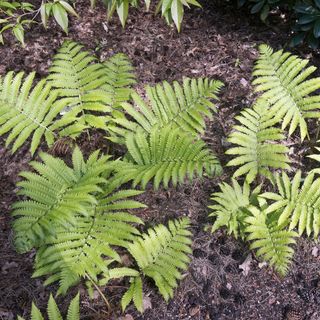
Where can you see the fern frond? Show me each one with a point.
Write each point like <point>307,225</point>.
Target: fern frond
<point>27,112</point>
<point>55,194</point>
<point>282,78</point>
<point>298,202</point>
<point>135,294</point>
<point>232,207</point>
<point>81,250</point>
<point>53,310</point>
<point>257,150</point>
<point>167,154</point>
<point>183,106</point>
<point>80,79</point>
<point>120,78</point>
<point>272,241</point>
<point>161,253</point>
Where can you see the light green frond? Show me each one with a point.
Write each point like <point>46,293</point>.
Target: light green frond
<point>79,79</point>
<point>167,154</point>
<point>56,194</point>
<point>283,79</point>
<point>184,106</point>
<point>120,78</point>
<point>26,112</point>
<point>257,150</point>
<point>53,310</point>
<point>272,241</point>
<point>231,207</point>
<point>298,202</point>
<point>161,253</point>
<point>81,250</point>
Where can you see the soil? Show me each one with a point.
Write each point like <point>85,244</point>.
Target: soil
<point>219,42</point>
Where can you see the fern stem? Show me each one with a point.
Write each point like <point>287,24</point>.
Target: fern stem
<point>100,292</point>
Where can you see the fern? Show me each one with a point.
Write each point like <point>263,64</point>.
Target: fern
<point>160,254</point>
<point>282,79</point>
<point>272,241</point>
<point>26,112</point>
<point>89,86</point>
<point>298,202</point>
<point>257,150</point>
<point>81,250</point>
<point>183,106</point>
<point>134,293</point>
<point>231,207</point>
<point>56,194</point>
<point>165,155</point>
<point>53,310</point>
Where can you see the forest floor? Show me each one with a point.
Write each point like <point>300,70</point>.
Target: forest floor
<point>224,281</point>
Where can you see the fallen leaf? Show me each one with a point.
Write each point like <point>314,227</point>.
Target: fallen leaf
<point>146,303</point>
<point>245,266</point>
<point>315,252</point>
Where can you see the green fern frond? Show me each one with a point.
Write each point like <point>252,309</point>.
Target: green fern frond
<point>183,106</point>
<point>27,112</point>
<point>80,80</point>
<point>55,194</point>
<point>298,202</point>
<point>54,312</point>
<point>282,78</point>
<point>272,241</point>
<point>161,253</point>
<point>135,294</point>
<point>232,207</point>
<point>167,154</point>
<point>120,78</point>
<point>257,151</point>
<point>81,250</point>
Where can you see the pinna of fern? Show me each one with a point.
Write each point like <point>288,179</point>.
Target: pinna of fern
<point>54,312</point>
<point>283,80</point>
<point>56,194</point>
<point>257,149</point>
<point>184,106</point>
<point>167,154</point>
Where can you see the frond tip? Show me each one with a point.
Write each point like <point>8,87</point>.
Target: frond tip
<point>272,241</point>
<point>282,78</point>
<point>54,312</point>
<point>161,253</point>
<point>257,150</point>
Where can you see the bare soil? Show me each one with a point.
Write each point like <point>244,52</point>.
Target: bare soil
<point>218,42</point>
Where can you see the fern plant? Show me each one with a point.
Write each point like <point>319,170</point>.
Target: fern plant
<point>56,194</point>
<point>282,78</point>
<point>167,154</point>
<point>246,213</point>
<point>257,150</point>
<point>54,312</point>
<point>298,202</point>
<point>89,86</point>
<point>183,106</point>
<point>160,253</point>
<point>27,112</point>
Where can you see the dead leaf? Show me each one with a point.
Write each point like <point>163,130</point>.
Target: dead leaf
<point>194,311</point>
<point>315,252</point>
<point>146,303</point>
<point>127,317</point>
<point>245,266</point>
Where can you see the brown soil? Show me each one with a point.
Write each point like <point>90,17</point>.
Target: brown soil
<point>217,42</point>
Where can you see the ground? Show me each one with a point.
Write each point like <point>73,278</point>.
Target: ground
<point>218,42</point>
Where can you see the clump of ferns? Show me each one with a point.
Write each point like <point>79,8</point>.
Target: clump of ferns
<point>268,220</point>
